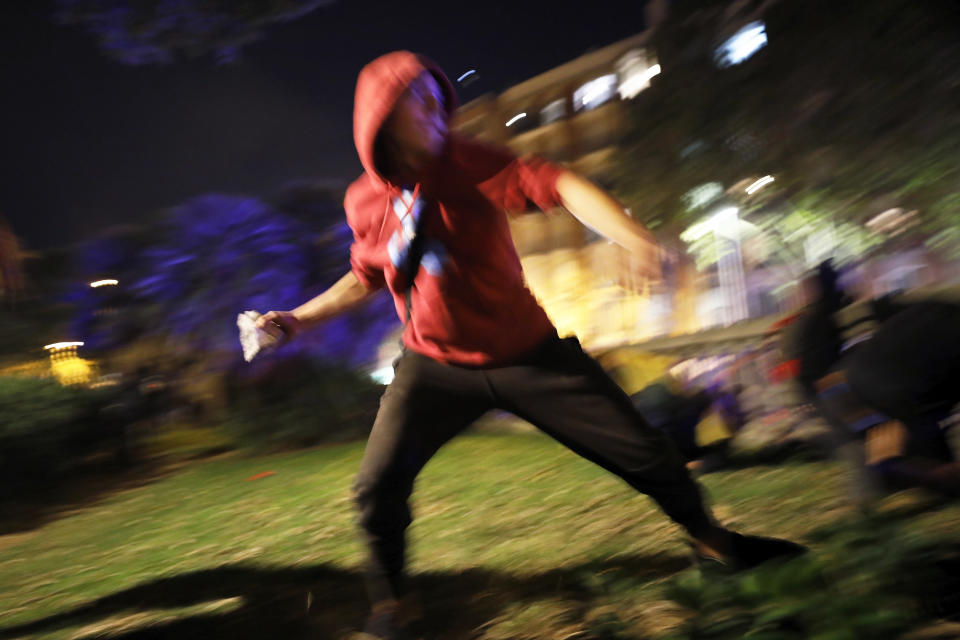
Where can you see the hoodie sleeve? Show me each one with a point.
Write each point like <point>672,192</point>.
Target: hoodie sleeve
<point>517,184</point>
<point>363,262</point>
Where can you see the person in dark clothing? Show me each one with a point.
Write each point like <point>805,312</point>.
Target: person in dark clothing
<point>817,345</point>
<point>818,338</point>
<point>910,371</point>
<point>429,224</point>
<point>678,414</point>
<point>896,391</point>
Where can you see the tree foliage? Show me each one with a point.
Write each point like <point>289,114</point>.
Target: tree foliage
<point>43,427</point>
<point>11,259</point>
<point>188,277</point>
<point>850,105</point>
<point>220,255</point>
<point>139,32</point>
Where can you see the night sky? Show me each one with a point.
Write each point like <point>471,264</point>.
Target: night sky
<point>89,142</point>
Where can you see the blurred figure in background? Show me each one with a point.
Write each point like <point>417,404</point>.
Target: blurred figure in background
<point>815,341</point>
<point>909,372</point>
<point>818,339</point>
<point>887,398</point>
<point>429,225</point>
<point>701,423</point>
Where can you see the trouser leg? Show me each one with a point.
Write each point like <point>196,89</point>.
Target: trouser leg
<point>427,404</point>
<point>566,394</point>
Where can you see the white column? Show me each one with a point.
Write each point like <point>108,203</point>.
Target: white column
<point>726,232</point>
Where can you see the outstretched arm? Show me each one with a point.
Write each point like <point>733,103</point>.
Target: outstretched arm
<point>348,292</point>
<point>600,211</point>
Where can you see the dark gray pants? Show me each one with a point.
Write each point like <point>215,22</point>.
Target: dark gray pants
<point>558,388</point>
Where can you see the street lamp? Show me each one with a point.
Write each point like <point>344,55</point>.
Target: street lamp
<point>56,346</point>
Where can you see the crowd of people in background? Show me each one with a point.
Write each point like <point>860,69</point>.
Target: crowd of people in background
<point>880,377</point>
<point>888,398</point>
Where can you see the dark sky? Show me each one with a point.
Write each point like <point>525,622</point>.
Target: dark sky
<point>88,142</point>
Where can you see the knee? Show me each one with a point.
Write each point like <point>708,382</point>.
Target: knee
<point>380,503</point>
<point>364,490</point>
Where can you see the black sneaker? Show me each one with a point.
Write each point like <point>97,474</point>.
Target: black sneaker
<point>747,552</point>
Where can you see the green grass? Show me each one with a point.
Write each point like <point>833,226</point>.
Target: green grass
<point>514,537</point>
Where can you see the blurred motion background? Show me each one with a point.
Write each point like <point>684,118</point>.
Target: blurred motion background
<point>171,163</point>
<point>756,139</point>
<point>176,164</point>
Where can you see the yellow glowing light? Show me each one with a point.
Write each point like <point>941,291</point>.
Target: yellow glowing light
<point>759,184</point>
<point>104,283</point>
<point>73,370</point>
<point>62,345</point>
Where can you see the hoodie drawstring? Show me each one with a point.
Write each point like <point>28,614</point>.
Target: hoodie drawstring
<point>392,193</point>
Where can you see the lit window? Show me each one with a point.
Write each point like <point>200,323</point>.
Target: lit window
<point>703,195</point>
<point>595,93</point>
<point>635,72</point>
<point>743,44</point>
<point>554,111</point>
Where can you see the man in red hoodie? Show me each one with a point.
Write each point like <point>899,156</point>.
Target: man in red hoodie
<point>429,222</point>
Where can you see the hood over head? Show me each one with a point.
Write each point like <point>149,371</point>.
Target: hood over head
<point>379,87</point>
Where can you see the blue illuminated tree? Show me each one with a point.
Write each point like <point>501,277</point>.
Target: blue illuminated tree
<point>188,277</point>
<point>160,31</point>
<point>108,317</point>
<point>220,255</point>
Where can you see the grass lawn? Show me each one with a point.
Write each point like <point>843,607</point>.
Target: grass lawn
<point>514,537</point>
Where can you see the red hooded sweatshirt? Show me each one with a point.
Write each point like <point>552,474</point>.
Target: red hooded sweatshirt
<point>469,303</point>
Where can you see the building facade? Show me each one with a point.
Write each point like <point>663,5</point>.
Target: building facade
<point>576,114</point>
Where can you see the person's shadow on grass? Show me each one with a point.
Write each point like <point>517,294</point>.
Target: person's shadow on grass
<point>320,601</point>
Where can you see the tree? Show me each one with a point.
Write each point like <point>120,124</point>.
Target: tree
<point>139,32</point>
<point>11,259</point>
<point>185,279</point>
<point>850,105</point>
<point>218,256</point>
